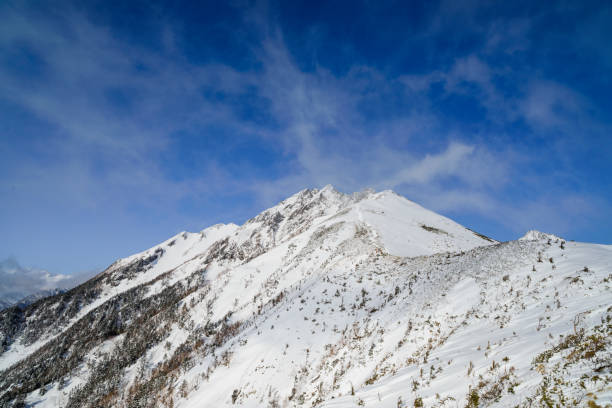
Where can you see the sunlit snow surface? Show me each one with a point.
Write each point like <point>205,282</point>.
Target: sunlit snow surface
<point>384,302</point>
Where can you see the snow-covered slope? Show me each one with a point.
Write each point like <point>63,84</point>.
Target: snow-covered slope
<point>326,299</point>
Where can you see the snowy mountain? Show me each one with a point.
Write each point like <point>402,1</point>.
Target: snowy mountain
<point>28,300</point>
<point>326,300</point>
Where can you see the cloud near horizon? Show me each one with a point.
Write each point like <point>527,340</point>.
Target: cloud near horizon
<point>18,282</point>
<point>115,137</point>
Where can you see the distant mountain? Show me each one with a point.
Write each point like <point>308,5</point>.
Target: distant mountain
<point>21,285</point>
<point>28,300</point>
<point>324,300</point>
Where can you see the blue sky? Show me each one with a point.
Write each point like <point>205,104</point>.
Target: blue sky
<point>123,123</point>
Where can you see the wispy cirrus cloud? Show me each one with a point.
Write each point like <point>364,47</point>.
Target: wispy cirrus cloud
<point>118,128</point>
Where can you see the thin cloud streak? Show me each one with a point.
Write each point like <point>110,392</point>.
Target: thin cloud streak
<point>132,129</point>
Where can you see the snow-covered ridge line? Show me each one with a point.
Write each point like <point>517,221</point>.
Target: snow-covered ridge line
<point>304,211</point>
<point>328,299</point>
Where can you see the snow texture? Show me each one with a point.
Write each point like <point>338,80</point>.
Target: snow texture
<point>336,300</point>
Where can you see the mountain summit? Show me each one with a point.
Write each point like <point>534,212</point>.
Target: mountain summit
<point>328,300</point>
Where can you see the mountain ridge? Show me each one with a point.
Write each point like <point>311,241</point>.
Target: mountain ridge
<point>322,300</point>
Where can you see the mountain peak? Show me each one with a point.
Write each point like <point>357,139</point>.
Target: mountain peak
<point>328,187</point>
<point>534,235</point>
<point>325,299</point>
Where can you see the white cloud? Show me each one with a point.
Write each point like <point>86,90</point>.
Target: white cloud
<point>548,104</point>
<point>431,167</point>
<point>325,124</point>
<point>17,282</point>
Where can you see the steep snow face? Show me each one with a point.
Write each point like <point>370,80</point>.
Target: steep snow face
<point>325,299</point>
<point>181,247</point>
<point>397,225</point>
<point>407,229</point>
